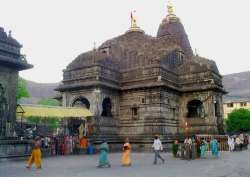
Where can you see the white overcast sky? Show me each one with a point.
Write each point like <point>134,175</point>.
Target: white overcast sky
<point>54,32</point>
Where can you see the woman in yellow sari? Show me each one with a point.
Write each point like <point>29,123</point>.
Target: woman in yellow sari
<point>36,156</point>
<point>126,160</point>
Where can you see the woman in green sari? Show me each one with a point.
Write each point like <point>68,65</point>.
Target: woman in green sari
<point>214,148</point>
<point>103,157</point>
<point>204,147</point>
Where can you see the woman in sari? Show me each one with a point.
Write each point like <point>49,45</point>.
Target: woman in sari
<point>126,160</point>
<point>214,148</point>
<point>198,147</point>
<point>204,147</point>
<point>36,155</point>
<point>103,157</point>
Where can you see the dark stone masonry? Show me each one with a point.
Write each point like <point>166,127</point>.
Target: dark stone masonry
<point>138,85</point>
<point>11,62</point>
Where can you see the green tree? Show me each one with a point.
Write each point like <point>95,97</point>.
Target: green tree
<point>51,122</point>
<point>22,91</point>
<point>49,102</point>
<point>34,119</point>
<point>238,120</point>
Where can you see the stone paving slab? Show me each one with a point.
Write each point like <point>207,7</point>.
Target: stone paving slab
<point>236,164</point>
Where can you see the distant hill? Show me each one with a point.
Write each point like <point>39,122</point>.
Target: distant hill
<point>238,86</point>
<point>38,91</point>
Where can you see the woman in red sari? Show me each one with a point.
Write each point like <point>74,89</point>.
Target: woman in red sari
<point>126,160</point>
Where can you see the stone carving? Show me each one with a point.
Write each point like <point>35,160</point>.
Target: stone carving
<point>3,112</point>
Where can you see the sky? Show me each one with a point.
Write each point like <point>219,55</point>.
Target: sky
<point>54,32</point>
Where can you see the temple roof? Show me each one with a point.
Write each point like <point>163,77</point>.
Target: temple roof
<point>134,59</point>
<point>8,38</point>
<point>10,55</point>
<point>198,64</point>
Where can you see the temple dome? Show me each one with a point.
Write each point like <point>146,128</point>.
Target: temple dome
<point>172,26</point>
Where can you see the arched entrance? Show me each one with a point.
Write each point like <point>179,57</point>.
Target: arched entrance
<point>195,109</point>
<point>81,102</point>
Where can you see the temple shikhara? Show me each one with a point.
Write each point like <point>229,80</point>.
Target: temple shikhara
<point>138,85</point>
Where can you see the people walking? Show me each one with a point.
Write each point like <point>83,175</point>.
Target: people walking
<point>36,155</point>
<point>126,160</point>
<point>103,157</point>
<point>157,145</point>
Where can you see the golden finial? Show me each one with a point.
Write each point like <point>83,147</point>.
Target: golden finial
<point>133,22</point>
<point>170,8</point>
<point>171,16</point>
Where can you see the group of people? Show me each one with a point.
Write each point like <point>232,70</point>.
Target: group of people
<point>64,145</point>
<point>103,157</point>
<point>56,146</point>
<point>197,148</point>
<point>237,142</point>
<point>192,148</point>
<point>126,159</point>
<point>36,155</point>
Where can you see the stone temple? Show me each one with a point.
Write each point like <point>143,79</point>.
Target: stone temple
<point>11,62</point>
<point>138,85</point>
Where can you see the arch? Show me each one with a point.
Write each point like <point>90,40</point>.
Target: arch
<point>81,102</point>
<point>195,109</point>
<point>106,107</point>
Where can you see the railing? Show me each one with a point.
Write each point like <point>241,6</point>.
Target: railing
<point>222,141</point>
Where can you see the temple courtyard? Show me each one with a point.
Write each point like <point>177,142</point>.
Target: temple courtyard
<point>234,164</point>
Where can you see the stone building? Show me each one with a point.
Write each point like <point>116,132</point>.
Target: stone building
<point>138,85</point>
<point>11,62</point>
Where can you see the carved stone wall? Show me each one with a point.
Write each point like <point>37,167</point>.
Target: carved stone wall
<point>157,112</point>
<point>8,80</point>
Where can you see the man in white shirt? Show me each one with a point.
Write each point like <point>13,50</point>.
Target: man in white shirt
<point>157,148</point>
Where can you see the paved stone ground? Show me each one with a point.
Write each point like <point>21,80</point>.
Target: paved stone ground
<point>236,164</point>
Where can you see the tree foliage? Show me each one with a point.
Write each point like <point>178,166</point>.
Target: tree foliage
<point>51,122</point>
<point>238,121</point>
<point>49,102</point>
<point>22,91</point>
